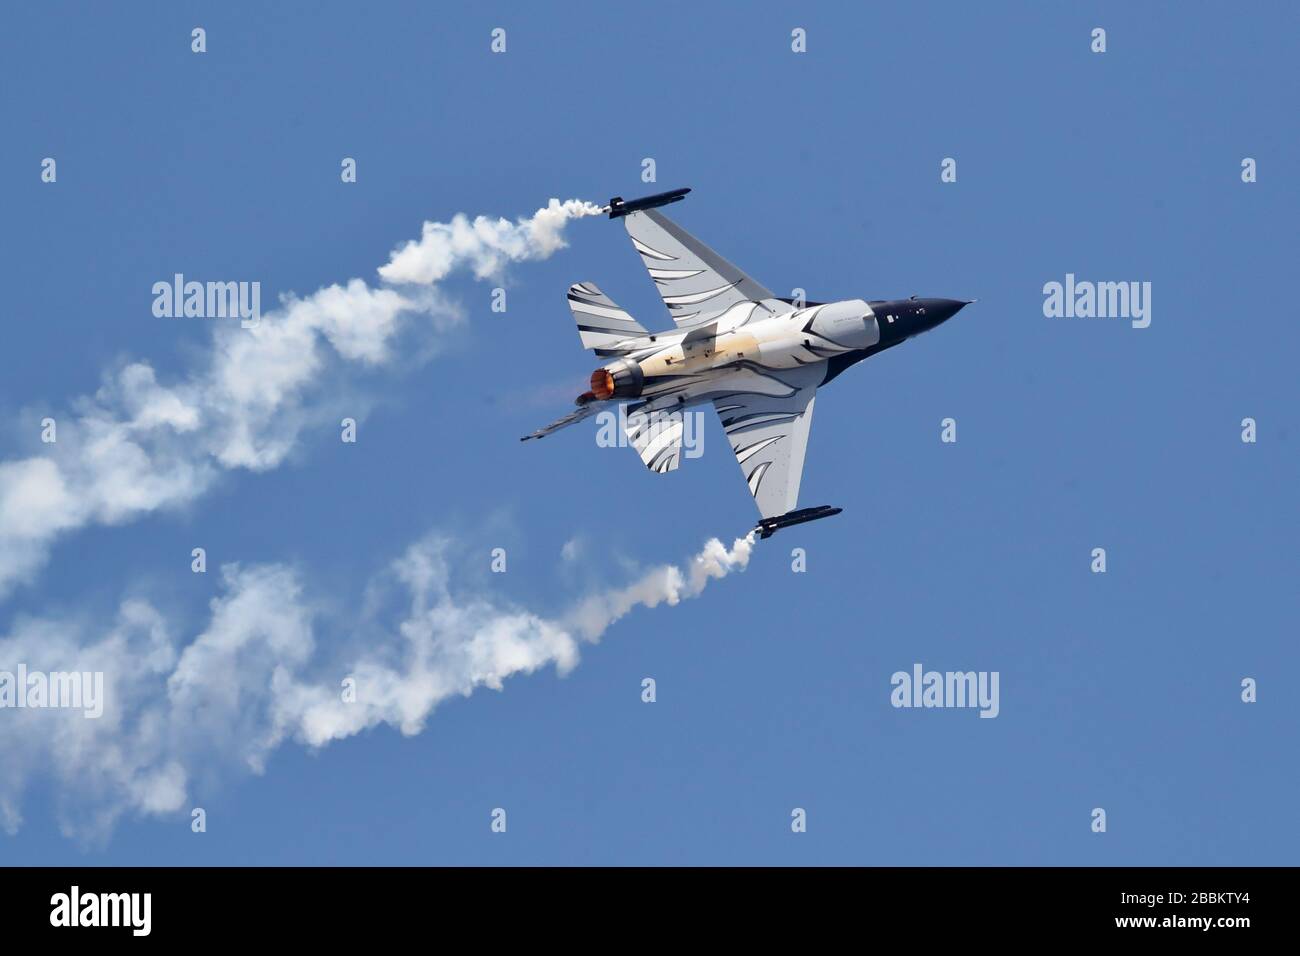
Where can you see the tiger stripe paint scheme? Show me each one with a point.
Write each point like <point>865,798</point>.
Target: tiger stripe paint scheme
<point>757,359</point>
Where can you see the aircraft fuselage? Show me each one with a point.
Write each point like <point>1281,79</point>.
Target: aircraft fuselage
<point>687,367</point>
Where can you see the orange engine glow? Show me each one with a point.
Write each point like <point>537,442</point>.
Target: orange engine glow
<point>602,384</point>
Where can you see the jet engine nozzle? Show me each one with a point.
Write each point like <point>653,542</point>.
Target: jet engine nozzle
<point>621,379</point>
<point>602,384</point>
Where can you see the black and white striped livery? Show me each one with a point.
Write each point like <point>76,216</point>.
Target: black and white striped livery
<point>756,358</point>
<point>602,325</point>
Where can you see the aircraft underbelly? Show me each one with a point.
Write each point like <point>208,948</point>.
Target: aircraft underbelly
<point>690,368</point>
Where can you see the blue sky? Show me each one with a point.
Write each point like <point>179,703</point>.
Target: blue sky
<point>816,170</point>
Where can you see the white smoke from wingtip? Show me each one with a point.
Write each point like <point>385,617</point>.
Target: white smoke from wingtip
<point>176,717</point>
<point>138,444</point>
<point>664,585</point>
<point>484,244</point>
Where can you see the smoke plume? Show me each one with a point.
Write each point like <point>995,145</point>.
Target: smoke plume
<point>273,664</point>
<point>138,445</point>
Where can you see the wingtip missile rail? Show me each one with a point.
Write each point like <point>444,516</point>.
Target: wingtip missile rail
<point>618,206</point>
<point>767,527</point>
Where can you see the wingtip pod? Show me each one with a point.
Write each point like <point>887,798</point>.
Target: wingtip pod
<point>618,206</point>
<point>767,527</point>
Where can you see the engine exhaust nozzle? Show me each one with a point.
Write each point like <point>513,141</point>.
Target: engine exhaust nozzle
<point>621,379</point>
<point>602,384</point>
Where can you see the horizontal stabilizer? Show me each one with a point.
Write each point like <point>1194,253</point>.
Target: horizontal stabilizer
<point>657,438</point>
<point>602,325</point>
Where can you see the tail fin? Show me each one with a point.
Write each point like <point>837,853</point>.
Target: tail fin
<point>602,325</point>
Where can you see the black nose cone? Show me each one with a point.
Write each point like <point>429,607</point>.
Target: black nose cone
<point>933,312</point>
<point>902,318</point>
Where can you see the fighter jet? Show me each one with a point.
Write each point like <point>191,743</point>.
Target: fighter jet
<point>757,358</point>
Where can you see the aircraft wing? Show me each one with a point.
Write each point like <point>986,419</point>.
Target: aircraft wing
<point>696,283</point>
<point>768,431</point>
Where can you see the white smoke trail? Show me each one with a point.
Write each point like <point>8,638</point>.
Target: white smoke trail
<point>138,445</point>
<point>665,585</point>
<point>257,676</point>
<point>484,245</point>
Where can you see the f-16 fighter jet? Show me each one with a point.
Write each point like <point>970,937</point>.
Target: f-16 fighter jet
<point>758,359</point>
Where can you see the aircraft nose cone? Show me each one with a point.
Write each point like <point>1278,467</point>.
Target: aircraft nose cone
<point>903,318</point>
<point>941,310</point>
